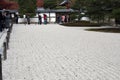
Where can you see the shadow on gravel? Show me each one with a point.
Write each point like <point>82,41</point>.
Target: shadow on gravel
<point>108,30</point>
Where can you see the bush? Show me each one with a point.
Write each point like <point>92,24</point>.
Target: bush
<point>81,23</point>
<point>109,30</point>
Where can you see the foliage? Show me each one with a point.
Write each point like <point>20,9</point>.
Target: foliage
<point>82,24</point>
<point>108,30</point>
<point>79,4</point>
<point>50,4</point>
<point>116,13</point>
<point>73,17</point>
<point>98,9</point>
<point>4,4</point>
<point>27,7</point>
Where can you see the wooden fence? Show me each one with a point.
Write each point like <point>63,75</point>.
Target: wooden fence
<point>4,46</point>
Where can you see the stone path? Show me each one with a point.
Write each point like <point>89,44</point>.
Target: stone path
<point>54,52</point>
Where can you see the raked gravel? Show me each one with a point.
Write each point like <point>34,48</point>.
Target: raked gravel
<point>54,52</point>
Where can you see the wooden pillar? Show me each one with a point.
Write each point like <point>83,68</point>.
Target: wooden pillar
<point>5,50</point>
<point>49,17</point>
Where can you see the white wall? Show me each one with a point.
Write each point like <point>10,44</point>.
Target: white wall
<point>20,20</point>
<point>52,18</point>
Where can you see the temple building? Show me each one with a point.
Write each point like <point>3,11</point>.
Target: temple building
<point>40,3</point>
<point>54,13</point>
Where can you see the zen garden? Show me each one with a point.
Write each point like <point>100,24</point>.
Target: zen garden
<point>59,39</point>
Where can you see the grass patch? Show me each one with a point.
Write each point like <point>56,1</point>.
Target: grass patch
<point>82,24</point>
<point>108,30</point>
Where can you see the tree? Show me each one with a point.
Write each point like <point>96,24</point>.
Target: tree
<point>8,4</point>
<point>27,7</point>
<point>116,9</point>
<point>51,4</point>
<point>80,5</point>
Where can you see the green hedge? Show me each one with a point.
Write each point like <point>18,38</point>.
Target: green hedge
<point>108,30</point>
<point>82,23</point>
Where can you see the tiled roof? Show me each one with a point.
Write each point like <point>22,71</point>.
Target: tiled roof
<point>57,10</point>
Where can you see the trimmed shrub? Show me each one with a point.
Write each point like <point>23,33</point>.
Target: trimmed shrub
<point>82,23</point>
